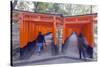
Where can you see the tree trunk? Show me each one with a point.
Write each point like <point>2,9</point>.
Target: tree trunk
<point>90,9</point>
<point>14,4</point>
<point>36,6</point>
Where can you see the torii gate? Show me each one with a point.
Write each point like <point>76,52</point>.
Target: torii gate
<point>33,23</point>
<point>79,24</point>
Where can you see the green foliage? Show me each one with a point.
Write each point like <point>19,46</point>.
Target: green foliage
<point>22,5</point>
<point>56,8</point>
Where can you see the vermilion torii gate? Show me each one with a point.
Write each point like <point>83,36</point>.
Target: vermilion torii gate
<point>79,24</point>
<point>32,23</point>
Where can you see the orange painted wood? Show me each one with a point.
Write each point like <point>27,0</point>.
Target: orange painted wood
<point>33,23</point>
<point>79,24</point>
<point>30,26</point>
